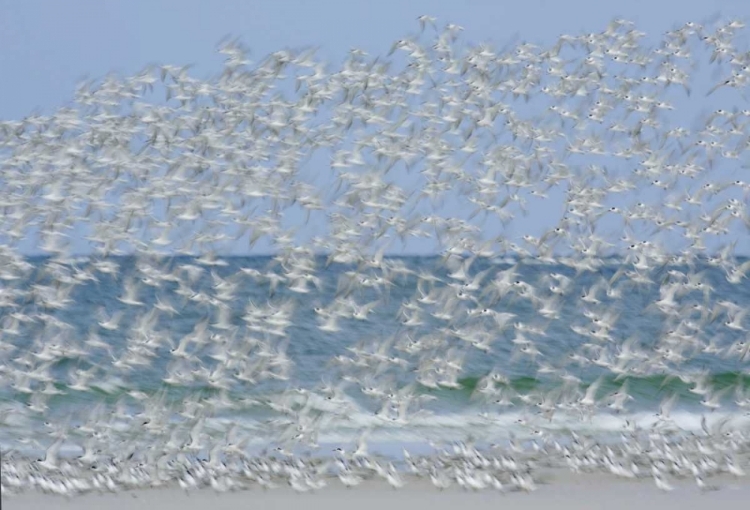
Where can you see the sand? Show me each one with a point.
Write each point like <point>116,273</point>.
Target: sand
<point>585,492</point>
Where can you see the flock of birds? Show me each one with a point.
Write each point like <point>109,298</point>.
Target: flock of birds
<point>439,141</point>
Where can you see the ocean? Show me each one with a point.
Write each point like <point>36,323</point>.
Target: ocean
<point>266,370</point>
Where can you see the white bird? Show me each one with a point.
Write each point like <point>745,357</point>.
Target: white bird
<point>50,460</point>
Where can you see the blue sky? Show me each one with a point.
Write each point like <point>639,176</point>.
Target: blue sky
<point>50,46</point>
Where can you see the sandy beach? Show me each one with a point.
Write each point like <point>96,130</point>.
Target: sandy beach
<point>585,492</point>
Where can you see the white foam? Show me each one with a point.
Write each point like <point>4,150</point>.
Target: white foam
<point>499,426</point>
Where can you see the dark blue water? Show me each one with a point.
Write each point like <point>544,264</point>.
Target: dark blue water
<point>263,356</point>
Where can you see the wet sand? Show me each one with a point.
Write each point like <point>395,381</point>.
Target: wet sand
<point>582,492</point>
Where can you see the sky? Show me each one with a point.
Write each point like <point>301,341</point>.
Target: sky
<point>50,46</point>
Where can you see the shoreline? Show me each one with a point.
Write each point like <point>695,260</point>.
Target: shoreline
<point>564,491</point>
